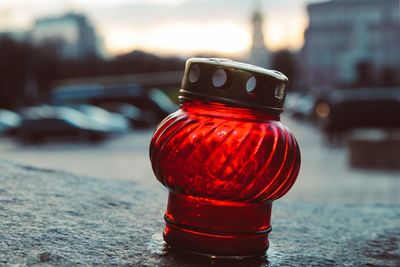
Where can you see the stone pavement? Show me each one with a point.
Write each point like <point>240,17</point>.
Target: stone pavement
<point>55,218</point>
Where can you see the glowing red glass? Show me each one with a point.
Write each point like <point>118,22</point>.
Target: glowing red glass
<point>223,166</point>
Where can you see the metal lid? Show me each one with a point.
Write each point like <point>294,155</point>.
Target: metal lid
<point>234,83</point>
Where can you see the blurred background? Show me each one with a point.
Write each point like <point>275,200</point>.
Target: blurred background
<point>84,83</point>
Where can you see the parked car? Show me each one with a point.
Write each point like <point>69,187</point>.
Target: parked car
<point>350,109</point>
<point>9,121</point>
<point>300,106</point>
<point>42,122</point>
<point>149,100</point>
<point>137,117</point>
<point>114,122</point>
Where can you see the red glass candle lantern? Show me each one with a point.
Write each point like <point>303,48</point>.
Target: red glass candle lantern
<point>225,157</point>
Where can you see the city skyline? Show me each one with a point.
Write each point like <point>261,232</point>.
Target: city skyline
<point>173,27</point>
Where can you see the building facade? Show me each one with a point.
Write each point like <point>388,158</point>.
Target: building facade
<point>74,35</point>
<point>343,34</point>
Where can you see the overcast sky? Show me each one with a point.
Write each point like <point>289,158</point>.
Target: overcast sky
<point>179,27</point>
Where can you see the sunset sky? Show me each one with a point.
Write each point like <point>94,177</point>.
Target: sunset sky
<point>171,27</point>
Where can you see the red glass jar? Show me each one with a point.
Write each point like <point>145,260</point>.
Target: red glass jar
<point>225,157</point>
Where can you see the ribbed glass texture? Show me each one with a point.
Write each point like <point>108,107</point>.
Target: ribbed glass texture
<point>214,151</point>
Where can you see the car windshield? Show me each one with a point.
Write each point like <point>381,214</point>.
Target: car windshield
<point>95,113</point>
<point>8,117</point>
<point>162,100</point>
<point>71,115</point>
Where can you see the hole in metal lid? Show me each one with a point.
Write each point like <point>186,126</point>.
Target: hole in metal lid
<point>251,84</point>
<point>220,78</point>
<point>194,73</point>
<point>280,91</point>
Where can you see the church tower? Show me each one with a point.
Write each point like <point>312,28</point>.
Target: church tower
<point>258,54</point>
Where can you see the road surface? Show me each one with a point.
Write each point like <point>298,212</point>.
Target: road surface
<point>325,177</point>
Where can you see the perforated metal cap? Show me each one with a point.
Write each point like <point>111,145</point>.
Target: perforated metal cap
<point>234,83</point>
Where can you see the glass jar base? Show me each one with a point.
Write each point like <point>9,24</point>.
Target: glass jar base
<point>217,228</point>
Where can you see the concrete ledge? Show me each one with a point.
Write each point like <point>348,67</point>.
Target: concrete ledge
<point>374,149</point>
<point>55,218</point>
